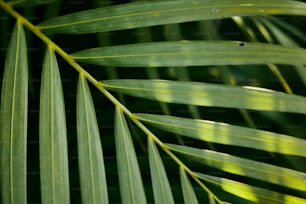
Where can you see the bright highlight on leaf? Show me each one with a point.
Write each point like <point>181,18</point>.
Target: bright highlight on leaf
<point>203,94</point>
<point>52,135</point>
<point>13,121</point>
<point>248,192</point>
<point>90,155</point>
<point>161,186</point>
<point>245,167</point>
<point>227,134</point>
<point>191,53</point>
<point>142,14</point>
<point>131,187</point>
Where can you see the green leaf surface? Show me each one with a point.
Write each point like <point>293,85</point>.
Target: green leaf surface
<point>227,134</point>
<point>28,3</point>
<point>91,163</point>
<point>52,135</point>
<point>248,192</point>
<point>245,167</point>
<point>161,187</point>
<point>191,53</point>
<point>203,94</point>
<point>142,14</point>
<point>13,121</point>
<point>131,187</point>
<point>188,192</point>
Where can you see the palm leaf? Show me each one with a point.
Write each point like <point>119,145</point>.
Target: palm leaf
<point>202,94</point>
<point>91,164</point>
<point>52,125</point>
<point>52,135</point>
<point>142,14</point>
<point>191,53</point>
<point>131,187</point>
<point>13,120</point>
<point>245,167</point>
<point>248,192</point>
<point>227,134</point>
<point>161,186</point>
<point>28,3</point>
<point>188,192</point>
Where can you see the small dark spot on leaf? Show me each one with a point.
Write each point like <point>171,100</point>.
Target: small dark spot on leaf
<point>241,44</point>
<point>214,10</point>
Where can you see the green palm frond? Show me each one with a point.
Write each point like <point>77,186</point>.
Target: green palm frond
<point>53,135</point>
<point>91,161</point>
<point>13,120</point>
<point>207,108</point>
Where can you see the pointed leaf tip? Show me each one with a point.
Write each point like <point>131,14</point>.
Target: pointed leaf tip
<point>131,186</point>
<point>53,135</point>
<point>161,186</point>
<point>90,155</point>
<point>13,120</point>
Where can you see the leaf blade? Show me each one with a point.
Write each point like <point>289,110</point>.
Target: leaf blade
<point>13,120</point>
<point>191,53</point>
<point>27,3</point>
<point>248,192</point>
<point>52,135</point>
<point>188,192</point>
<point>131,186</point>
<point>142,14</point>
<point>245,167</point>
<point>90,155</point>
<point>202,94</point>
<point>227,134</point>
<point>161,187</point>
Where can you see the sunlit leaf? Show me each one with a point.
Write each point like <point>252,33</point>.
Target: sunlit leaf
<point>248,192</point>
<point>131,187</point>
<point>52,135</point>
<point>188,192</point>
<point>13,121</point>
<point>227,134</point>
<point>91,164</point>
<point>161,186</point>
<point>191,53</point>
<point>245,167</point>
<point>141,14</point>
<point>203,94</point>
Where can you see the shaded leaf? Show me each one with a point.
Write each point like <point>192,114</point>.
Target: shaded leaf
<point>203,94</point>
<point>287,41</point>
<point>28,3</point>
<point>248,192</point>
<point>245,167</point>
<point>52,135</point>
<point>142,14</point>
<point>91,163</point>
<point>161,186</point>
<point>191,53</point>
<point>188,192</point>
<point>13,120</point>
<point>131,187</point>
<point>227,134</point>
